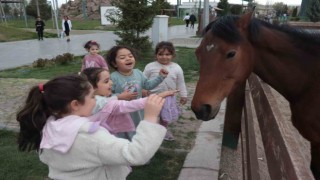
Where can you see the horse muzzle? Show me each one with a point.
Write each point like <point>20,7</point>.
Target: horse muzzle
<point>206,112</point>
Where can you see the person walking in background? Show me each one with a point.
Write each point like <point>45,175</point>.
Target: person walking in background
<point>127,78</point>
<point>54,122</point>
<point>39,28</point>
<point>66,26</point>
<point>187,19</point>
<point>93,59</point>
<point>192,19</point>
<point>165,52</point>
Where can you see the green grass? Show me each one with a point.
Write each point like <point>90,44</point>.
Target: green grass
<point>175,21</point>
<point>16,165</point>
<point>185,58</point>
<point>15,34</point>
<point>78,24</point>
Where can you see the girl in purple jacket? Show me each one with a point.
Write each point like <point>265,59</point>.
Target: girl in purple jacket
<point>110,111</point>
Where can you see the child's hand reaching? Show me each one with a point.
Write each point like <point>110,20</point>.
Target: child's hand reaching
<point>153,107</point>
<point>168,93</point>
<point>183,100</point>
<point>127,95</point>
<point>163,72</point>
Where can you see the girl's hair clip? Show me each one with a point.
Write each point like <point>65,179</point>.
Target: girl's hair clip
<point>41,88</point>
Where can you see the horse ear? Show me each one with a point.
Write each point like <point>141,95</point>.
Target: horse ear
<point>245,20</point>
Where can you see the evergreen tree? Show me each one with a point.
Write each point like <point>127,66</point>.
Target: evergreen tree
<point>159,5</point>
<point>44,7</point>
<point>224,5</point>
<point>303,7</point>
<point>313,10</point>
<point>295,12</point>
<point>133,18</point>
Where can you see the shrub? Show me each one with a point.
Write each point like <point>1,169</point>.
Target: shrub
<point>63,59</point>
<point>60,59</point>
<point>40,63</point>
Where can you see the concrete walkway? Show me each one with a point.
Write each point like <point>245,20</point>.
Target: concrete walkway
<point>13,54</point>
<point>202,163</point>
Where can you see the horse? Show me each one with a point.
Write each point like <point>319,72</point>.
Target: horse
<point>286,58</point>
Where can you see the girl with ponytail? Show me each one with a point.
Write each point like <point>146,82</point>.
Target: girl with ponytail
<point>54,121</point>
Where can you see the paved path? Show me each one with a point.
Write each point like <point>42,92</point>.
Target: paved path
<point>13,54</point>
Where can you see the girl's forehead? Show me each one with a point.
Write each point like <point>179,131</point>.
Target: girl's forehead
<point>123,51</point>
<point>164,50</point>
<point>94,46</point>
<point>104,75</point>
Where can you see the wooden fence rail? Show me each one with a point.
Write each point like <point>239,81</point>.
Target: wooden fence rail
<point>283,156</point>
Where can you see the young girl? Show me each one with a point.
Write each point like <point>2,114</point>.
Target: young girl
<point>126,78</point>
<point>109,112</point>
<point>93,59</point>
<point>165,52</point>
<point>54,122</point>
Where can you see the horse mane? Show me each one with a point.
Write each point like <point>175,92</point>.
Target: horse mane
<point>225,28</point>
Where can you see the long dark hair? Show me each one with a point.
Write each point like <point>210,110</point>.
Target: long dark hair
<point>50,99</point>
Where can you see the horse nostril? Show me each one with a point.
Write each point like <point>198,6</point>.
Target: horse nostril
<point>204,112</point>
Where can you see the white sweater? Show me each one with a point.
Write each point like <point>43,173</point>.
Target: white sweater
<point>174,80</point>
<point>102,156</point>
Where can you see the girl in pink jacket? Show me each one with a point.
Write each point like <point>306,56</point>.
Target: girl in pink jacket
<point>112,112</point>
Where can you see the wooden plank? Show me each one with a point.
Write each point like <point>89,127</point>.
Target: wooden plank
<point>282,162</point>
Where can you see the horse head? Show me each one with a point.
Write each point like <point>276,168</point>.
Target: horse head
<point>225,56</point>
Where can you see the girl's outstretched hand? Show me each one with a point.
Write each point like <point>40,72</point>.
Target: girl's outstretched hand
<point>168,93</point>
<point>127,95</point>
<point>163,72</point>
<point>153,107</point>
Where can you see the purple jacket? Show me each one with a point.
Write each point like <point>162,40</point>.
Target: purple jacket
<point>115,117</point>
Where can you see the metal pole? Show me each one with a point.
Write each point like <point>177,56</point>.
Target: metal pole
<point>38,10</point>
<point>57,11</point>
<point>205,13</point>
<point>3,14</point>
<point>56,19</point>
<point>52,18</point>
<point>84,9</point>
<point>25,13</point>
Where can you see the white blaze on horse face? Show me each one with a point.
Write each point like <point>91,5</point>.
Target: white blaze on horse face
<point>209,47</point>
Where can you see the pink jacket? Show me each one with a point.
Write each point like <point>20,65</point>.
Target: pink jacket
<point>115,117</point>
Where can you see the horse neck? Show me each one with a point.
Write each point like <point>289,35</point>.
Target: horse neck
<point>282,65</point>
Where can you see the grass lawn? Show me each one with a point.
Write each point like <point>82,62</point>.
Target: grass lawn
<point>185,58</point>
<point>15,165</point>
<point>14,31</point>
<point>16,34</point>
<point>79,24</point>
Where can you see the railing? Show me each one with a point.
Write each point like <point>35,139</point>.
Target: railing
<point>283,157</point>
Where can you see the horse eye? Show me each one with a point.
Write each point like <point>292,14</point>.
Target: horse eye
<point>231,54</point>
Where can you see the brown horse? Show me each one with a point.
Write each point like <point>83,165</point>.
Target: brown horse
<point>286,58</point>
